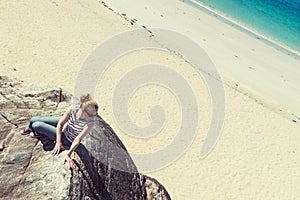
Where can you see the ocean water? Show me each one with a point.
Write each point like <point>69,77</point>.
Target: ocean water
<point>278,20</point>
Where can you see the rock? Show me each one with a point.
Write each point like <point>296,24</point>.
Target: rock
<point>104,170</point>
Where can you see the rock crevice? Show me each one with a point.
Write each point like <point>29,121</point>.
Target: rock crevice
<point>104,170</point>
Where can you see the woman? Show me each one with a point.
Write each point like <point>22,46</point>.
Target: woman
<point>69,130</point>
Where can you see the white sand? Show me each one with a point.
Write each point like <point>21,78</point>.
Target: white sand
<point>257,155</point>
<point>257,65</point>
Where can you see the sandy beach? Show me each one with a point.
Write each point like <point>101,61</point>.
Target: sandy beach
<point>257,154</point>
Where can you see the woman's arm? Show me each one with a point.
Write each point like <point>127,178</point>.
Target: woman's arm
<point>76,143</point>
<point>60,124</point>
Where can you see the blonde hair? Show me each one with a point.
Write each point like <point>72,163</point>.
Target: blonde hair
<point>87,101</point>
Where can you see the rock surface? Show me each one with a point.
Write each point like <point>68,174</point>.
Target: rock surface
<point>104,170</point>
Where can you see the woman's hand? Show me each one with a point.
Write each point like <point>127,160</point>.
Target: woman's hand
<point>57,148</point>
<point>70,162</point>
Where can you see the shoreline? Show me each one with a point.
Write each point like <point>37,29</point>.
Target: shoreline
<point>240,26</point>
<point>230,73</point>
<point>257,154</point>
<point>242,88</point>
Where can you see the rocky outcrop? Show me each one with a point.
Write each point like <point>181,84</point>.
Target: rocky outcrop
<point>104,170</point>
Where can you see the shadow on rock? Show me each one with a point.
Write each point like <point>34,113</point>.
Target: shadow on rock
<point>29,171</point>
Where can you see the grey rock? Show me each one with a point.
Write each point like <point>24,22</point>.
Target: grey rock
<point>104,170</point>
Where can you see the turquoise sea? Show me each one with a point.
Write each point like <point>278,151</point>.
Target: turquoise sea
<point>278,20</point>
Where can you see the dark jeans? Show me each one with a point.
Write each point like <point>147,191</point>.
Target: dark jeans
<point>46,125</point>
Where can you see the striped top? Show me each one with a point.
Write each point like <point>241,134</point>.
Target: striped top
<point>74,127</point>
